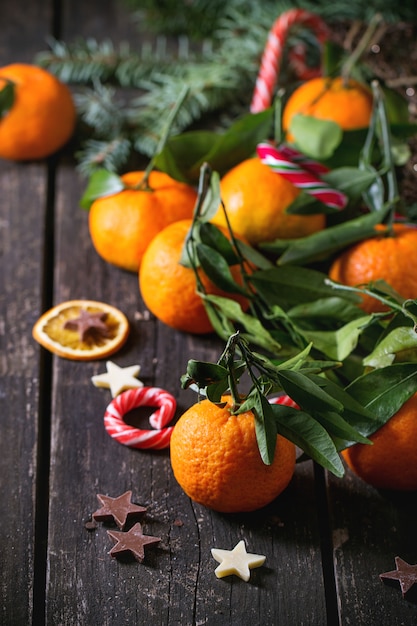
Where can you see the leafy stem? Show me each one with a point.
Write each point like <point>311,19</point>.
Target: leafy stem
<point>144,183</point>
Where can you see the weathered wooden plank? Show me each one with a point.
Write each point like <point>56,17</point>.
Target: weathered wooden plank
<point>22,216</point>
<point>370,528</point>
<point>24,29</point>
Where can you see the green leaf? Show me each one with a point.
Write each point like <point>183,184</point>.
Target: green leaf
<point>217,269</point>
<point>214,238</point>
<point>184,154</point>
<point>203,373</point>
<point>323,310</point>
<point>212,199</point>
<point>340,343</point>
<point>254,330</point>
<point>352,181</point>
<point>240,140</point>
<point>328,241</point>
<point>265,428</point>
<point>292,285</point>
<point>314,137</point>
<point>384,391</point>
<point>7,96</point>
<point>338,427</point>
<point>215,391</point>
<point>101,183</point>
<point>253,256</point>
<point>348,151</point>
<point>306,393</point>
<point>400,344</point>
<point>306,433</point>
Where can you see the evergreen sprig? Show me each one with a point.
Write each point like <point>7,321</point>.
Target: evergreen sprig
<point>125,94</point>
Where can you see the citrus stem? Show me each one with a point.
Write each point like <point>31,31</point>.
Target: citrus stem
<point>144,182</point>
<point>362,290</point>
<point>393,194</point>
<point>278,134</point>
<point>361,47</point>
<point>229,356</point>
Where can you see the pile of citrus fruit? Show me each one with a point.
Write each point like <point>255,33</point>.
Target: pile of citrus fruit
<point>143,228</point>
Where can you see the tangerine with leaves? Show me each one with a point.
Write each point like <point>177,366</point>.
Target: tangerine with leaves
<point>216,460</point>
<point>390,256</point>
<point>347,102</point>
<point>256,199</point>
<point>123,224</point>
<point>169,289</point>
<point>391,462</point>
<point>37,113</point>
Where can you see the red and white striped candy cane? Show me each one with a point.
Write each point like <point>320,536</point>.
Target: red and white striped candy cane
<point>301,177</point>
<point>272,56</point>
<point>284,400</point>
<point>137,437</point>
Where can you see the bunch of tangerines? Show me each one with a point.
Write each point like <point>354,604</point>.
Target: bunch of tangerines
<point>233,257</point>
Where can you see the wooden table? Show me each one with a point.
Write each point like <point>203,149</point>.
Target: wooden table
<point>326,540</point>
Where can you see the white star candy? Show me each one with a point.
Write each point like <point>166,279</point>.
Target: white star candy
<point>117,379</point>
<point>236,561</point>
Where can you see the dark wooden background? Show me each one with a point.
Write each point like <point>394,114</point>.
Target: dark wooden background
<point>326,540</point>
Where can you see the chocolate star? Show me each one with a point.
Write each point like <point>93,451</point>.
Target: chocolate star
<point>405,573</point>
<point>117,509</point>
<point>88,322</point>
<point>133,541</point>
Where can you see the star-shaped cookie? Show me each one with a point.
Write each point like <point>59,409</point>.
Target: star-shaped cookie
<point>117,509</point>
<point>405,573</point>
<point>87,323</point>
<point>131,542</point>
<point>117,379</point>
<point>236,561</point>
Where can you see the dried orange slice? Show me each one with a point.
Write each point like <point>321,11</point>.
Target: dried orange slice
<point>82,330</point>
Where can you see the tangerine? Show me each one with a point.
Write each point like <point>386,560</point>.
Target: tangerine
<point>169,289</point>
<point>123,224</point>
<point>256,199</point>
<point>344,101</point>
<point>216,460</point>
<point>42,116</point>
<point>389,256</point>
<point>391,462</point>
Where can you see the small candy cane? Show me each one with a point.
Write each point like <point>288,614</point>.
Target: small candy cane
<point>272,56</point>
<point>136,437</point>
<point>285,164</point>
<point>284,400</point>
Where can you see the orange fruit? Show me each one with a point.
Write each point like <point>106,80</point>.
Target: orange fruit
<point>385,257</point>
<point>256,198</point>
<point>216,460</point>
<point>42,117</point>
<point>391,462</point>
<point>82,330</point>
<point>169,289</point>
<point>346,102</point>
<point>123,224</point>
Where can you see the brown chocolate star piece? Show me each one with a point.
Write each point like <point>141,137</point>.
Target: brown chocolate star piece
<point>117,509</point>
<point>404,572</point>
<point>88,322</point>
<point>131,542</point>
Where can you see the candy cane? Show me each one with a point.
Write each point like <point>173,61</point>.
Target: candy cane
<point>136,437</point>
<point>301,177</point>
<point>284,400</point>
<point>272,56</point>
